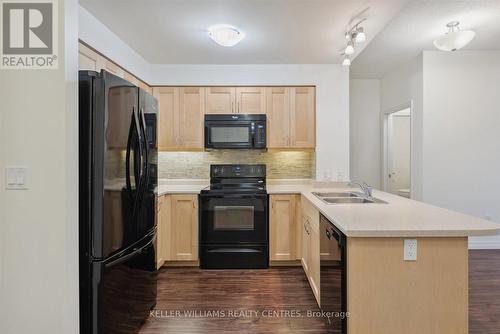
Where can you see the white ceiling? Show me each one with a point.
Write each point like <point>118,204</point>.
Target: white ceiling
<point>277,31</point>
<point>419,24</point>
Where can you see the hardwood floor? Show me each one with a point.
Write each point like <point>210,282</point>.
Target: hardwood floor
<point>189,299</point>
<point>484,292</point>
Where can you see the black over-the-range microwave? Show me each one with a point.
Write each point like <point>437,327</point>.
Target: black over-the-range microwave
<point>235,131</point>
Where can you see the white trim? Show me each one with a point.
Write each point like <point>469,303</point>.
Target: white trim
<point>385,146</point>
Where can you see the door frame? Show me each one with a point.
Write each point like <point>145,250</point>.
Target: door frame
<point>385,144</point>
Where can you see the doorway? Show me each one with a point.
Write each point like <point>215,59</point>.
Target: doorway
<point>398,151</point>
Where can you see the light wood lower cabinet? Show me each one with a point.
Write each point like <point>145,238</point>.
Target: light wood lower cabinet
<point>177,228</point>
<point>163,231</point>
<point>311,246</point>
<point>282,227</point>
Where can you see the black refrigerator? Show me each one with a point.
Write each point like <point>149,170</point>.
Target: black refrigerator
<point>117,184</point>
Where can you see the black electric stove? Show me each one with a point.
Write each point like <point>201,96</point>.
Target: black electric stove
<point>234,218</point>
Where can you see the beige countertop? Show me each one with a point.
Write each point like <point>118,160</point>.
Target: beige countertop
<point>400,217</point>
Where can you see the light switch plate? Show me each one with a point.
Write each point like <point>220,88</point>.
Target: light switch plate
<point>410,250</point>
<point>16,177</point>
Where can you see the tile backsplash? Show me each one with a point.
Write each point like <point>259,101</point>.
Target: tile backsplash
<point>195,165</point>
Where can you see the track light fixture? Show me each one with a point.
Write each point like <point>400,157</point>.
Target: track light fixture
<point>355,35</point>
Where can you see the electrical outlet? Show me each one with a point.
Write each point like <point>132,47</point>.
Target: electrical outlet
<point>410,250</point>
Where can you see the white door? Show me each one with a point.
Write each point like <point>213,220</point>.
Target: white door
<point>399,153</point>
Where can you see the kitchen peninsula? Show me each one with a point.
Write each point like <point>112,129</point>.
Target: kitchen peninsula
<point>384,292</point>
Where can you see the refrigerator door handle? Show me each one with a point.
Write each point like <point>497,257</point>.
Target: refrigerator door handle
<point>138,152</point>
<point>145,163</point>
<point>127,156</point>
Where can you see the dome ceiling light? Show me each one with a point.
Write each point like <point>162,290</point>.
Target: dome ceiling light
<point>454,39</point>
<point>225,34</point>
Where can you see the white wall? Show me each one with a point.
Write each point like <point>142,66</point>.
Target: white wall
<point>38,227</point>
<point>96,34</point>
<point>462,134</point>
<point>400,86</point>
<point>364,124</point>
<point>332,99</point>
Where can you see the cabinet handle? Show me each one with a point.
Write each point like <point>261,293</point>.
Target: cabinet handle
<point>239,107</point>
<point>232,108</point>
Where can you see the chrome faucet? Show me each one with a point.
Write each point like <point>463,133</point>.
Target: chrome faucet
<point>365,187</point>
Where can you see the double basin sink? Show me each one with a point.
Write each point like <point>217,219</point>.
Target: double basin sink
<point>348,197</point>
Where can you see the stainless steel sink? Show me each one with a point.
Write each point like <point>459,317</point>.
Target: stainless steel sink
<point>337,194</point>
<point>346,198</point>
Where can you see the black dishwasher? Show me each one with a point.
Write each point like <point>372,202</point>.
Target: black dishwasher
<point>333,276</point>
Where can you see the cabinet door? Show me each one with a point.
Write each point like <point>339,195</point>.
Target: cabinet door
<point>184,226</point>
<point>282,227</point>
<point>161,237</point>
<point>220,100</point>
<point>168,118</point>
<point>302,117</point>
<point>113,68</point>
<point>131,78</point>
<point>278,117</point>
<point>88,59</point>
<point>192,104</point>
<point>145,87</point>
<point>314,257</point>
<point>306,242</point>
<point>251,100</point>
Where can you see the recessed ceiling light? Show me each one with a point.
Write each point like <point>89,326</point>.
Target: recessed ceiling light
<point>225,34</point>
<point>455,38</point>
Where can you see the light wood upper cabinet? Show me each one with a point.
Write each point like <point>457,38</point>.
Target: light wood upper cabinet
<point>168,118</point>
<point>220,100</point>
<point>184,227</point>
<point>191,126</point>
<point>278,117</point>
<point>180,123</point>
<point>89,59</point>
<point>231,100</point>
<point>303,117</point>
<point>250,100</point>
<point>113,68</point>
<point>291,117</point>
<point>282,220</point>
